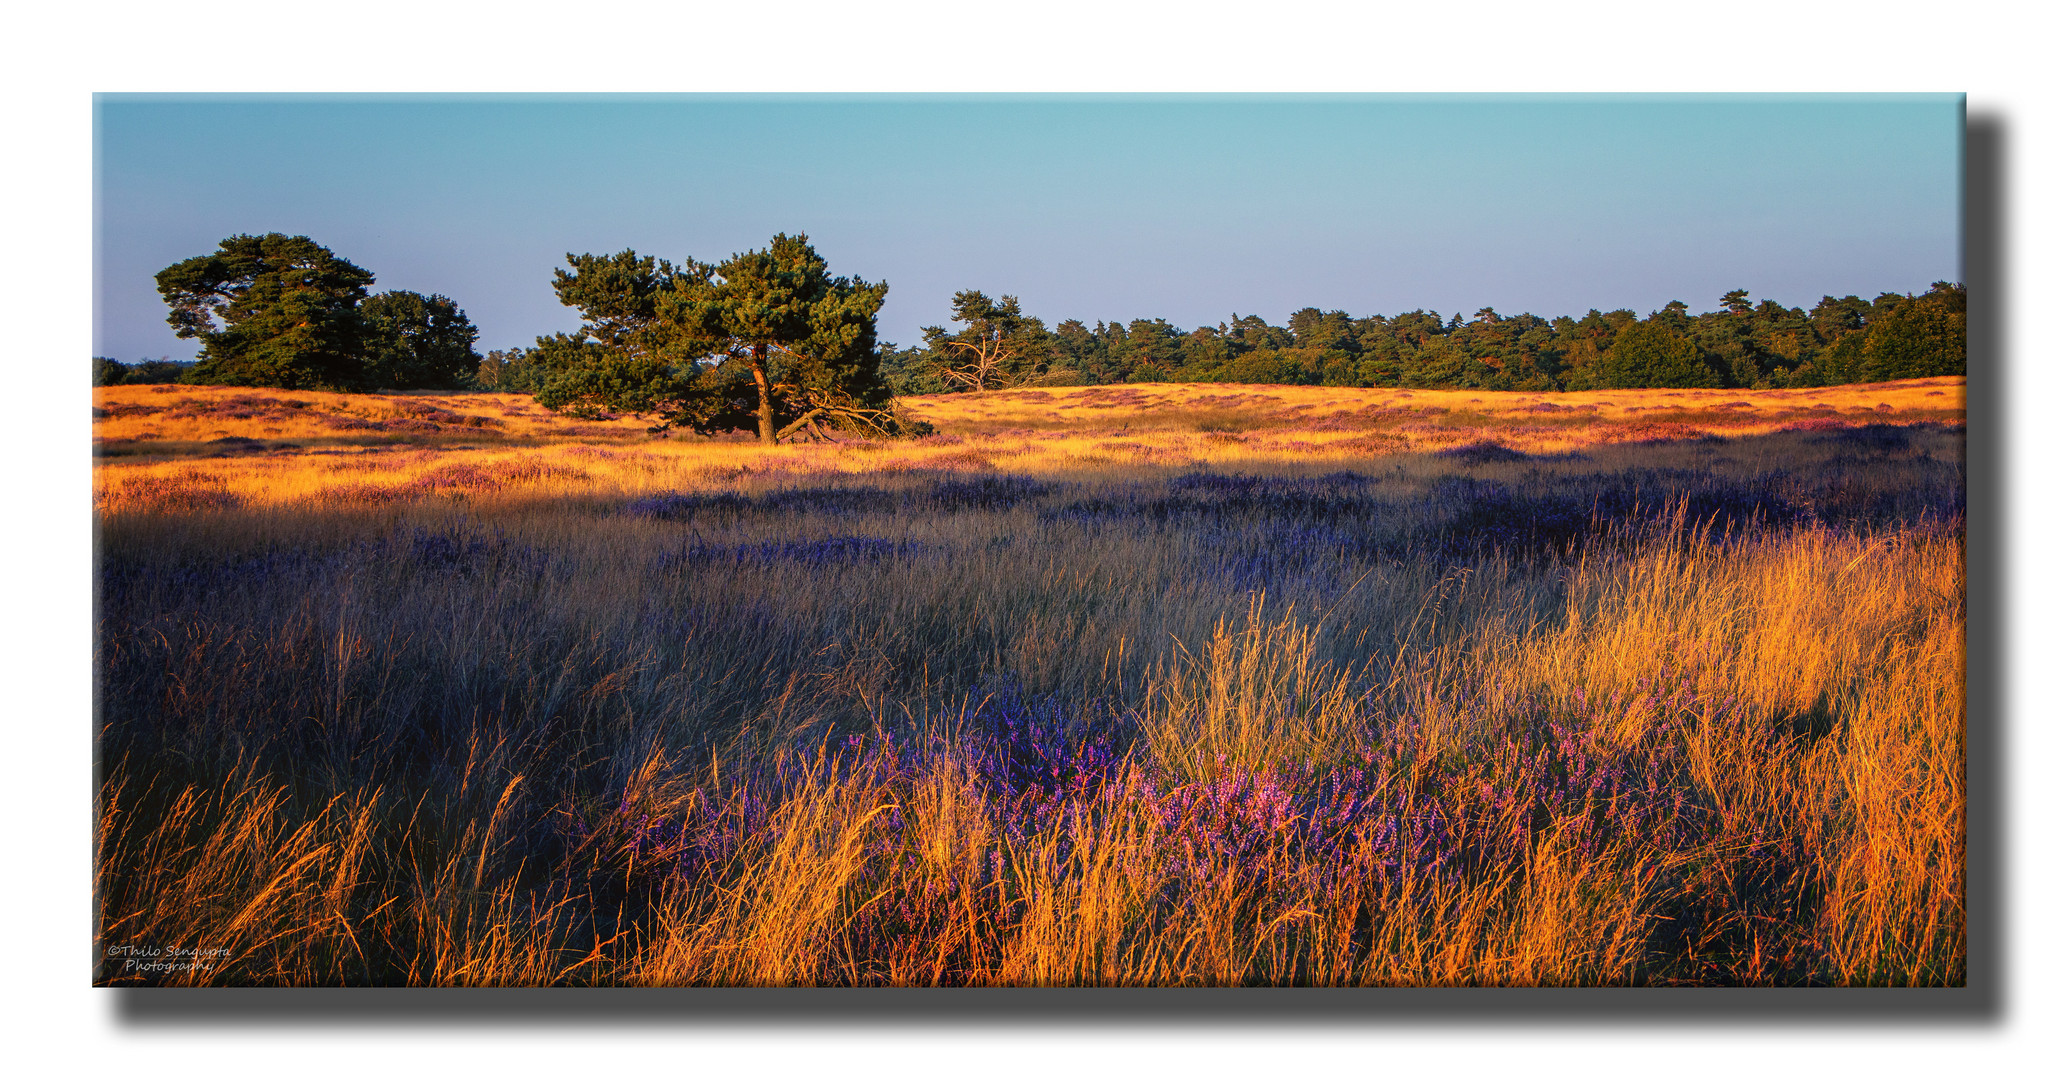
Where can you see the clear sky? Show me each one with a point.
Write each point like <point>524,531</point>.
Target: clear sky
<point>1190,208</point>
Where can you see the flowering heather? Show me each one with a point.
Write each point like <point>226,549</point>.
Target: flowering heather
<point>165,494</point>
<point>1384,826</point>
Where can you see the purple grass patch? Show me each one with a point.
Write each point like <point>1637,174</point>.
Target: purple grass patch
<point>985,492</point>
<point>456,551</point>
<point>951,494</point>
<point>819,553</point>
<point>677,506</point>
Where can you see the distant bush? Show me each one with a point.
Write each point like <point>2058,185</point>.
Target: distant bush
<point>108,371</point>
<point>1059,376</point>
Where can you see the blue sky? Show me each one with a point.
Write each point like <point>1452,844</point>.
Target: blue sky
<point>1190,208</point>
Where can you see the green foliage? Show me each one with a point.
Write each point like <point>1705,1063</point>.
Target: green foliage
<point>1831,319</point>
<point>160,370</point>
<point>998,347</point>
<point>270,310</point>
<point>1441,362</point>
<point>1154,344</point>
<point>1842,361</point>
<point>1919,337</point>
<point>769,339</point>
<point>1060,376</point>
<point>1323,330</point>
<point>1289,367</point>
<point>618,297</point>
<point>584,377</point>
<point>108,371</point>
<point>766,337</point>
<point>1073,347</point>
<point>909,372</point>
<point>1740,344</point>
<point>416,342</point>
<point>284,311</point>
<point>624,356</point>
<point>508,371</point>
<point>1650,353</point>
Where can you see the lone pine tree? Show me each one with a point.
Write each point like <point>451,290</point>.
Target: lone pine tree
<point>767,338</point>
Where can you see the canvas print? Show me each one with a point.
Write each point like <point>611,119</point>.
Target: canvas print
<point>1029,541</point>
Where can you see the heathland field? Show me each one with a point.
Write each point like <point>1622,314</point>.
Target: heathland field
<point>1151,684</point>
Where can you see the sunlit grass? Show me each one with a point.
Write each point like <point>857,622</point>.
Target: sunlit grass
<point>1611,709</point>
<point>215,444</point>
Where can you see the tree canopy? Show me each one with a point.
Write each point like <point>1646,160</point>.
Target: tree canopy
<point>271,310</point>
<point>415,341</point>
<point>1650,353</point>
<point>767,338</point>
<point>284,311</point>
<point>1910,340</point>
<point>999,346</point>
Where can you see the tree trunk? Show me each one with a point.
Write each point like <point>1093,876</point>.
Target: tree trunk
<point>765,432</point>
<point>807,420</point>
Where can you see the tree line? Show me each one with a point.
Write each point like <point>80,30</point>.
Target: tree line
<point>1739,344</point>
<point>770,341</point>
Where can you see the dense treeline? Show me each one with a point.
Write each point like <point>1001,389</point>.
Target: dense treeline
<point>284,311</point>
<point>107,371</point>
<point>1741,344</point>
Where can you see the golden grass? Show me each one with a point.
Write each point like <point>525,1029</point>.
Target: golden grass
<point>220,445</point>
<point>424,715</point>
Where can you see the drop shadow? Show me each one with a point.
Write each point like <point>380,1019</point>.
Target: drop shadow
<point>1985,234</point>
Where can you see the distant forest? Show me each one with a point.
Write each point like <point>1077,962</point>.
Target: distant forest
<point>1740,344</point>
<point>403,340</point>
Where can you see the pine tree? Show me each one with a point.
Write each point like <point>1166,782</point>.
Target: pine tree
<point>999,346</point>
<point>271,310</point>
<point>766,337</point>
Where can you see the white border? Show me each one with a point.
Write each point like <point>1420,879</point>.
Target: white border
<point>60,56</point>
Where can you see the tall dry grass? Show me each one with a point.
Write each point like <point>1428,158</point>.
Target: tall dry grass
<point>1689,713</point>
